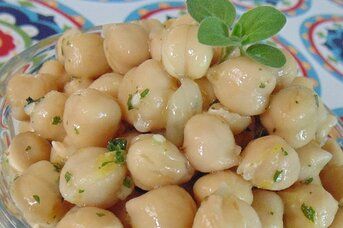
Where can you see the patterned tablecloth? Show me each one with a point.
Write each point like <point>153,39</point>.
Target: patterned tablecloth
<point>313,34</point>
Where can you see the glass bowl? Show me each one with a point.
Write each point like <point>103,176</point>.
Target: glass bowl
<point>29,61</point>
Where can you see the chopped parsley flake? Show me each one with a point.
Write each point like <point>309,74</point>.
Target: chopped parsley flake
<point>28,148</point>
<point>120,157</point>
<point>100,214</point>
<point>316,99</point>
<point>37,198</point>
<point>284,151</point>
<point>117,144</point>
<point>129,102</point>
<point>277,176</point>
<point>76,129</point>
<point>81,191</point>
<point>105,163</point>
<point>68,176</point>
<point>127,182</point>
<point>30,100</point>
<point>272,213</point>
<point>309,165</point>
<point>297,102</point>
<point>56,120</point>
<point>58,167</point>
<point>309,212</point>
<point>308,180</point>
<point>145,93</point>
<point>262,85</point>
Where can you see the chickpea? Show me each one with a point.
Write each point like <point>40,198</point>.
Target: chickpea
<point>76,84</point>
<point>143,96</point>
<point>270,163</point>
<point>287,73</point>
<point>126,46</point>
<point>338,221</point>
<point>90,118</point>
<point>209,143</point>
<point>229,211</point>
<point>18,92</point>
<point>208,96</point>
<point>169,206</point>
<point>153,161</point>
<point>308,206</point>
<point>150,25</point>
<point>238,123</point>
<point>108,84</point>
<point>235,185</point>
<point>293,115</point>
<point>332,179</point>
<point>56,70</point>
<point>46,118</point>
<point>183,55</point>
<point>269,207</point>
<point>89,217</point>
<point>84,55</point>
<point>242,85</point>
<point>24,126</point>
<point>36,195</point>
<point>335,149</point>
<point>312,161</point>
<point>326,122</point>
<point>26,149</point>
<point>182,105</point>
<point>90,171</point>
<point>155,44</point>
<point>61,42</point>
<point>60,152</point>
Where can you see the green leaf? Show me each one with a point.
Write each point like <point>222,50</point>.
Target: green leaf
<point>308,180</point>
<point>100,214</point>
<point>144,93</point>
<point>221,9</point>
<point>214,32</point>
<point>37,198</point>
<point>28,148</point>
<point>129,104</point>
<point>67,176</point>
<point>56,120</point>
<point>127,182</point>
<point>309,212</point>
<point>267,55</point>
<point>117,144</point>
<point>259,24</point>
<point>277,176</point>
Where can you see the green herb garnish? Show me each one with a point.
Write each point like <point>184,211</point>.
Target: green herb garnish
<point>271,212</point>
<point>216,18</point>
<point>120,157</point>
<point>284,151</point>
<point>58,167</point>
<point>316,99</point>
<point>37,198</point>
<point>30,100</point>
<point>309,212</point>
<point>129,102</point>
<point>68,176</point>
<point>56,120</point>
<point>105,163</point>
<point>28,148</point>
<point>76,129</point>
<point>81,191</point>
<point>262,85</point>
<point>308,180</point>
<point>144,93</point>
<point>127,182</point>
<point>117,144</point>
<point>100,214</point>
<point>277,176</point>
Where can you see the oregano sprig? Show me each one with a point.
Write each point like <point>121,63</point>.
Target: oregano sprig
<point>217,28</point>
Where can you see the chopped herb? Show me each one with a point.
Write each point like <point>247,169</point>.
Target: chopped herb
<point>58,167</point>
<point>316,99</point>
<point>117,144</point>
<point>284,151</point>
<point>29,100</point>
<point>68,43</point>
<point>272,213</point>
<point>28,148</point>
<point>105,163</point>
<point>68,176</point>
<point>308,180</point>
<point>277,176</point>
<point>297,102</point>
<point>120,157</point>
<point>145,93</point>
<point>129,102</point>
<point>56,120</point>
<point>15,178</point>
<point>127,182</point>
<point>260,69</point>
<point>81,191</point>
<point>100,214</point>
<point>262,85</point>
<point>309,212</point>
<point>309,165</point>
<point>340,205</point>
<point>76,130</point>
<point>37,198</point>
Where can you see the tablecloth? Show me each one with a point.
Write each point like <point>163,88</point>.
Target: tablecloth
<point>313,34</point>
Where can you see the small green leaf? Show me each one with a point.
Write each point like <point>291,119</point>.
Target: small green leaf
<point>120,157</point>
<point>259,24</point>
<point>214,32</point>
<point>56,120</point>
<point>100,214</point>
<point>67,176</point>
<point>309,212</point>
<point>316,99</point>
<point>105,163</point>
<point>262,85</point>
<point>145,93</point>
<point>127,182</point>
<point>58,167</point>
<point>76,130</point>
<point>37,198</point>
<point>117,144</point>
<point>28,148</point>
<point>221,9</point>
<point>81,191</point>
<point>266,55</point>
<point>308,180</point>
<point>284,151</point>
<point>277,176</point>
<point>129,104</point>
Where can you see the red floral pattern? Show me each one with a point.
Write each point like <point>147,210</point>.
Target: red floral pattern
<point>6,44</point>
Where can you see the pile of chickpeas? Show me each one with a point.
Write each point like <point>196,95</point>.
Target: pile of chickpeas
<point>142,126</point>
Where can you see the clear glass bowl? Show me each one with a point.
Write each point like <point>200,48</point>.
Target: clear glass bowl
<point>29,61</point>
